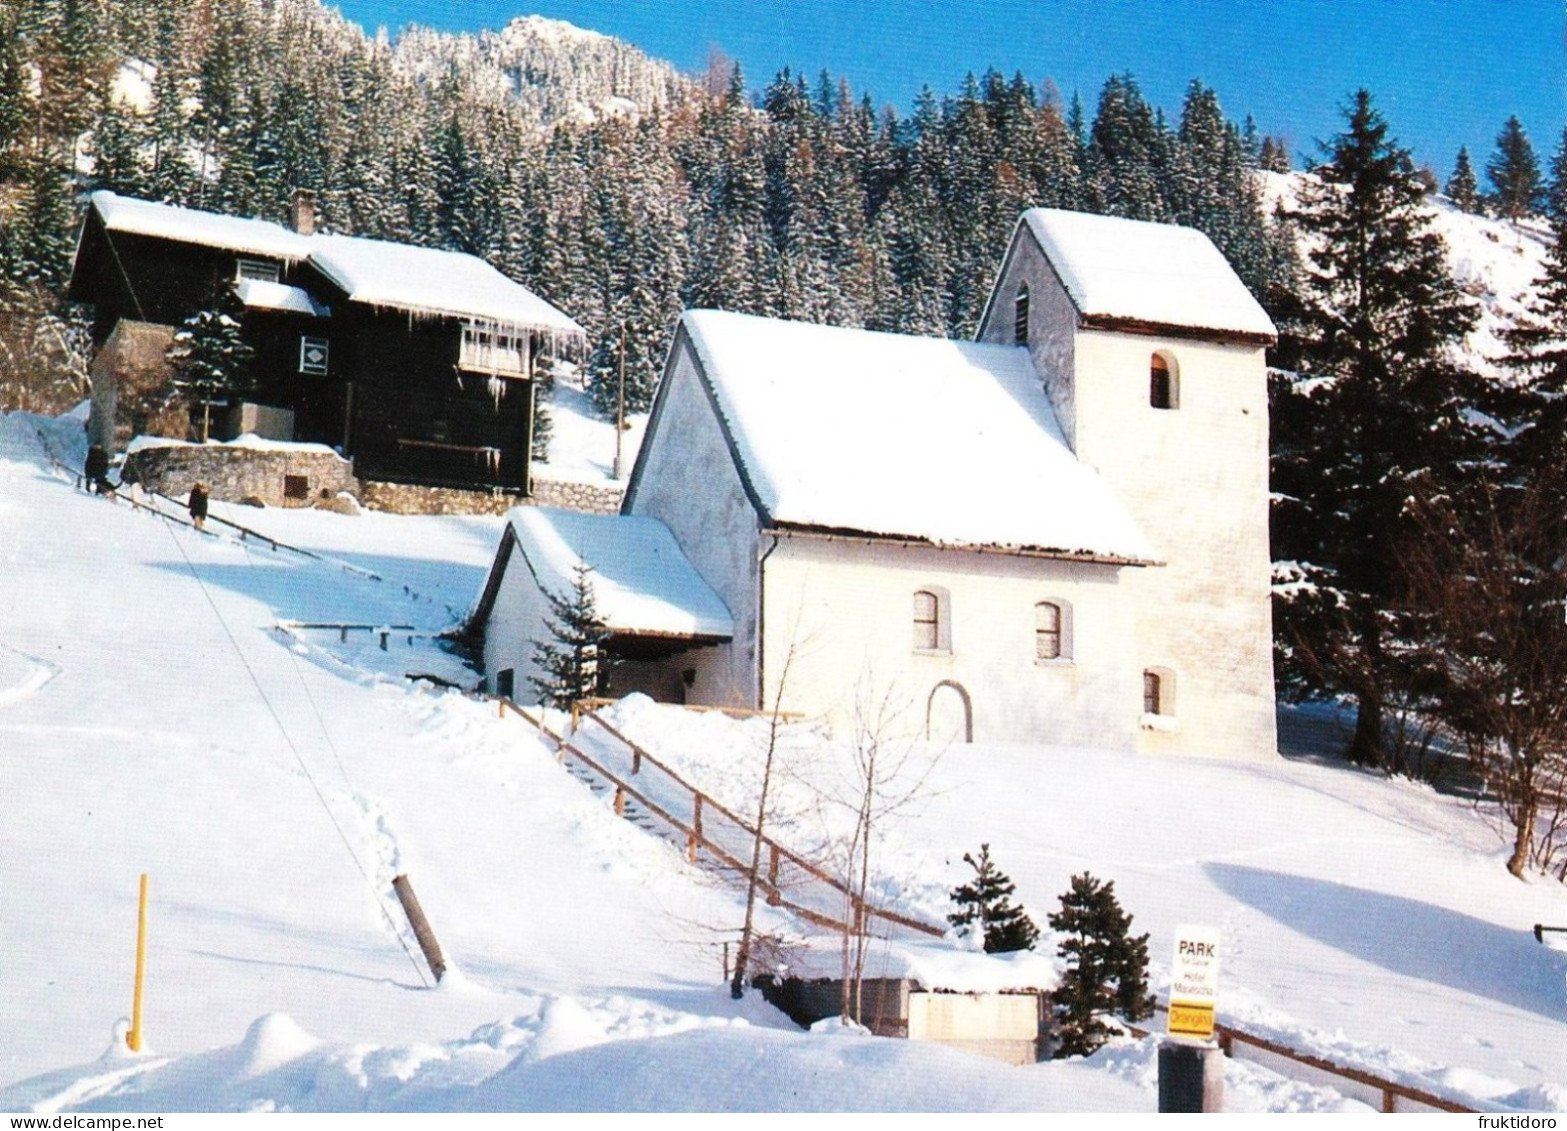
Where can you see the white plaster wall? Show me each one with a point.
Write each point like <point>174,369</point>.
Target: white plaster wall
<point>1052,325</point>
<point>973,1017</point>
<point>517,619</point>
<point>846,606</point>
<point>688,481</point>
<point>1196,479</point>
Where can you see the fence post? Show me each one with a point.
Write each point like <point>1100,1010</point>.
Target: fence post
<point>421,925</point>
<point>696,828</point>
<point>620,801</point>
<point>1191,1077</point>
<point>133,1038</point>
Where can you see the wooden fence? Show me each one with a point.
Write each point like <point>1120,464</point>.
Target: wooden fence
<point>714,829</point>
<point>1356,1083</point>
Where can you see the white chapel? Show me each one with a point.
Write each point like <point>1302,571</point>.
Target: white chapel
<point>1055,534</point>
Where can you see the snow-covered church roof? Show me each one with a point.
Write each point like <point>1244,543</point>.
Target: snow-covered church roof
<point>422,281</point>
<point>1125,274</point>
<point>643,585</point>
<point>951,443</point>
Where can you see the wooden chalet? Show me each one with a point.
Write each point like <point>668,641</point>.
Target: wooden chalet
<point>417,364</point>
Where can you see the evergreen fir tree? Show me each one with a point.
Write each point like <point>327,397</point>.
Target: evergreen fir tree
<point>118,161</point>
<point>171,177</point>
<point>1380,416</point>
<point>1535,406</point>
<point>985,905</point>
<point>572,660</point>
<point>1462,188</point>
<point>1274,155</point>
<point>1107,968</point>
<point>210,360</point>
<point>1514,173</point>
<point>15,99</point>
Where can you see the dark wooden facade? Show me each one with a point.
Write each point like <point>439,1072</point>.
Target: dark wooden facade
<point>393,398</point>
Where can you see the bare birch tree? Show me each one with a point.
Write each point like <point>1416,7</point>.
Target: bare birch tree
<point>1487,574</point>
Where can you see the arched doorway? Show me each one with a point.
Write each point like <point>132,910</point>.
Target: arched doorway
<point>949,715</point>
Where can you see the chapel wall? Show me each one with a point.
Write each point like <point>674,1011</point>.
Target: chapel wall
<point>687,480</point>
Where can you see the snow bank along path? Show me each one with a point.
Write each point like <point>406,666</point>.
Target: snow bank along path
<point>1367,920</point>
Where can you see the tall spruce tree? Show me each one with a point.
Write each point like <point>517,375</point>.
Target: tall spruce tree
<point>1462,188</point>
<point>1536,404</point>
<point>985,906</point>
<point>1107,967</point>
<point>1375,416</point>
<point>1514,173</point>
<point>572,661</point>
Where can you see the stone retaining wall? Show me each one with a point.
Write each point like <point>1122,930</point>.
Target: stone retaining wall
<point>411,498</point>
<point>237,473</point>
<point>590,497</point>
<point>282,477</point>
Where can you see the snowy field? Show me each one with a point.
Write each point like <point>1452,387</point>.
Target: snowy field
<point>152,718</point>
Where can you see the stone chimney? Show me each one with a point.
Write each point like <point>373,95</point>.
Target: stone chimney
<point>302,212</point>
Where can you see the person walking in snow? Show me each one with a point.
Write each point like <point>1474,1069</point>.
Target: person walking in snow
<point>197,506</point>
<point>97,470</point>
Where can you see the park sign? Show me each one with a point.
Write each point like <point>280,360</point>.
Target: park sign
<point>1194,982</point>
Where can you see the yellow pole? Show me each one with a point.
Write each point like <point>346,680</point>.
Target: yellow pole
<point>133,1038</point>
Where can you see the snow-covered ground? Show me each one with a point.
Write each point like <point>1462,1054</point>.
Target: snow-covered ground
<point>582,446</point>
<point>152,719</point>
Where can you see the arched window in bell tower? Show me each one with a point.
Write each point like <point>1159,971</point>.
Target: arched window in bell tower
<point>1163,382</point>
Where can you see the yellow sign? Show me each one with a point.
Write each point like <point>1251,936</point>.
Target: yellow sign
<point>1194,981</point>
<point>1191,1019</point>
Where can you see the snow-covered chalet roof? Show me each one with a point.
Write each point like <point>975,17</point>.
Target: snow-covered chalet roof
<point>643,585</point>
<point>1133,274</point>
<point>427,281</point>
<point>927,439</point>
<point>208,229</point>
<point>375,272</point>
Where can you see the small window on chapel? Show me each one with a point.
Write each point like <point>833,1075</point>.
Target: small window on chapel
<point>1152,700</point>
<point>1162,388</point>
<point>1020,316</point>
<point>1048,631</point>
<point>927,621</point>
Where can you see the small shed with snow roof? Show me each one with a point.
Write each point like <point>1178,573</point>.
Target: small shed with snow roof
<point>650,598</point>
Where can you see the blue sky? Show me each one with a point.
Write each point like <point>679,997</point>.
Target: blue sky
<point>1444,72</point>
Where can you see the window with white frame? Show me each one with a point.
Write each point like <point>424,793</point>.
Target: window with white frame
<point>1052,630</point>
<point>932,620</point>
<point>257,269</point>
<point>1158,692</point>
<point>1164,388</point>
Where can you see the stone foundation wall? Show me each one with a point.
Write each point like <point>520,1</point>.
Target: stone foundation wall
<point>588,497</point>
<point>410,498</point>
<point>235,474</point>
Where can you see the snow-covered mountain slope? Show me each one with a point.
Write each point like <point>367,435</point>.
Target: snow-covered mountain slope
<point>553,68</point>
<point>1495,262</point>
<point>152,719</point>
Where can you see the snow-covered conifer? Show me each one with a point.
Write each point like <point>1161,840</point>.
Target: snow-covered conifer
<point>985,908</point>
<point>1106,973</point>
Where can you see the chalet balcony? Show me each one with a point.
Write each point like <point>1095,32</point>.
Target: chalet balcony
<point>484,352</point>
